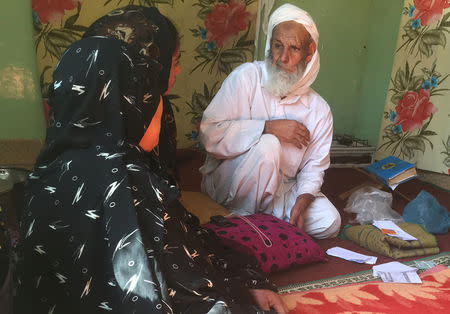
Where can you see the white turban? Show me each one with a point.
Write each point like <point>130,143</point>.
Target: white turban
<point>289,12</point>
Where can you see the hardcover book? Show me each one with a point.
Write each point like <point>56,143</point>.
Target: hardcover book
<point>392,171</point>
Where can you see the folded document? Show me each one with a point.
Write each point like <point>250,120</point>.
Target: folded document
<point>389,228</point>
<point>351,256</point>
<point>396,272</point>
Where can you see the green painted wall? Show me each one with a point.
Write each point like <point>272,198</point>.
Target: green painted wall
<point>21,113</point>
<point>385,16</point>
<point>356,45</point>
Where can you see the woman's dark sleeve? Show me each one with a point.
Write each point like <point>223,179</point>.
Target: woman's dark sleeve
<point>241,267</point>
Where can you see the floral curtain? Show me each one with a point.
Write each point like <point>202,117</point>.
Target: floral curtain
<point>416,122</point>
<point>216,36</point>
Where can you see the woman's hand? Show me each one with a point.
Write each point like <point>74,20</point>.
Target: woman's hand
<point>267,299</point>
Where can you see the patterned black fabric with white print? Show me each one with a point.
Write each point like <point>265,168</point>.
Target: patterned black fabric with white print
<point>102,230</point>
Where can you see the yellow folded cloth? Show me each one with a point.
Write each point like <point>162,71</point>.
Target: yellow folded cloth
<point>371,238</point>
<point>202,206</point>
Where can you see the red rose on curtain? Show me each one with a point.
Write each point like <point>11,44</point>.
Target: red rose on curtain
<point>51,10</point>
<point>429,11</point>
<point>413,109</point>
<point>226,20</point>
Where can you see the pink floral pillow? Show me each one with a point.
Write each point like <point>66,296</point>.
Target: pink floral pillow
<point>276,244</point>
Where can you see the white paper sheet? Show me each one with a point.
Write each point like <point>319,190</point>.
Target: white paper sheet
<point>351,256</point>
<point>392,267</point>
<point>396,272</point>
<point>403,277</point>
<point>391,229</point>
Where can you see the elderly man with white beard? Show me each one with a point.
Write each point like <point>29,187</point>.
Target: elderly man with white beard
<point>268,134</point>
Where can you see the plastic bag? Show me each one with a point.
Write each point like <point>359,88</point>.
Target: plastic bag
<point>371,204</point>
<point>427,211</point>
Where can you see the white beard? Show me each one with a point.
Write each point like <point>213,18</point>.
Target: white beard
<point>279,82</point>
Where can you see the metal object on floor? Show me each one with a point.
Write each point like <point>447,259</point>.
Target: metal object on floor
<point>348,151</point>
<point>9,180</point>
<point>11,176</point>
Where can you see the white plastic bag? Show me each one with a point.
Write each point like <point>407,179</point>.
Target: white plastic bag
<point>369,204</point>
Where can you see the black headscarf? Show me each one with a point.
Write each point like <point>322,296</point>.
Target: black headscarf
<point>102,229</point>
<point>146,31</point>
<point>155,38</point>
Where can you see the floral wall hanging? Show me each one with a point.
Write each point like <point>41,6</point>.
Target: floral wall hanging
<point>416,122</point>
<point>216,37</point>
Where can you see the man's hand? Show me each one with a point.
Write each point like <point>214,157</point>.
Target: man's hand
<point>289,131</point>
<point>301,204</point>
<point>266,299</point>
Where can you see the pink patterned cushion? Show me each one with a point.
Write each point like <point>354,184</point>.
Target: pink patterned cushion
<point>276,244</point>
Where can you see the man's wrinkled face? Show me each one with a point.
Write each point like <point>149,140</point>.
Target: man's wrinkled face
<point>290,46</point>
<point>290,51</point>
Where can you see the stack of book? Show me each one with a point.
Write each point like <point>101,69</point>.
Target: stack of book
<point>392,171</point>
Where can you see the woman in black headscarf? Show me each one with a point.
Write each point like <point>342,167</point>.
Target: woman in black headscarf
<point>102,229</point>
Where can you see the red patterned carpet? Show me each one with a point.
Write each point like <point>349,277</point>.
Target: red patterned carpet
<point>432,296</point>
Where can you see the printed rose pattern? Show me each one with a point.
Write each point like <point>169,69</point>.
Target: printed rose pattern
<point>409,128</point>
<point>51,34</point>
<point>426,28</point>
<point>413,109</point>
<point>226,21</point>
<point>429,11</point>
<point>224,36</point>
<point>52,10</point>
<point>224,44</point>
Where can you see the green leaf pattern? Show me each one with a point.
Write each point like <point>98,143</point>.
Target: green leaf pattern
<point>422,41</point>
<point>214,61</point>
<point>419,43</point>
<point>56,40</point>
<point>198,104</point>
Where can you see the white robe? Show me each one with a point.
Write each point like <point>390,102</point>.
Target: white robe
<point>248,171</point>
